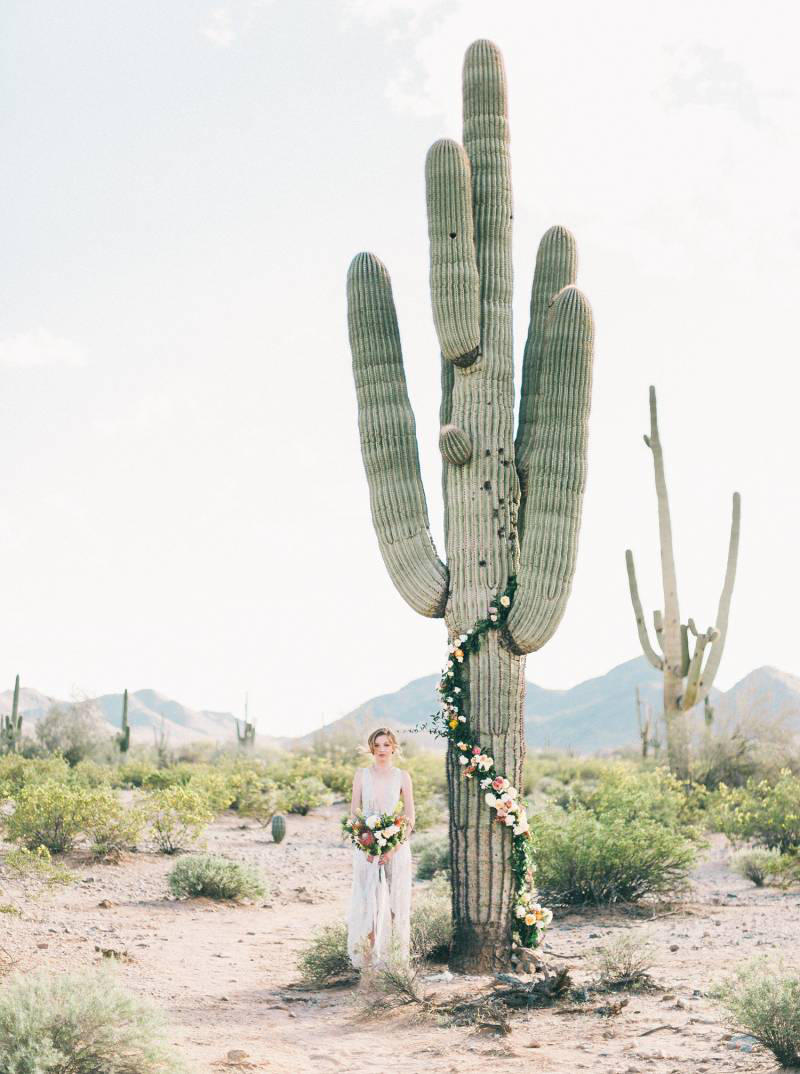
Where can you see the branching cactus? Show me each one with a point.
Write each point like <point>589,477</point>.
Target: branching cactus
<point>11,726</point>
<point>246,734</point>
<point>688,658</point>
<point>512,505</point>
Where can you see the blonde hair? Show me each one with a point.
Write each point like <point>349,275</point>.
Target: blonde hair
<point>375,735</point>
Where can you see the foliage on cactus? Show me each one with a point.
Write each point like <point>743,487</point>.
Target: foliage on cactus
<point>512,502</point>
<point>278,827</point>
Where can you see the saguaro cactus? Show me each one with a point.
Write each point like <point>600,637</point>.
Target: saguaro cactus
<point>687,679</point>
<point>512,507</point>
<point>246,735</point>
<point>124,736</point>
<point>11,726</point>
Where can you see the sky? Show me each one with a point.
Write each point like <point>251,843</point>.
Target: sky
<point>182,500</point>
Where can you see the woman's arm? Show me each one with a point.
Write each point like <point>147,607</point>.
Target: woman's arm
<point>355,800</point>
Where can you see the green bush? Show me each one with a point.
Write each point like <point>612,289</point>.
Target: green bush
<point>80,1023</point>
<point>432,923</point>
<point>217,789</point>
<point>115,829</point>
<point>53,815</point>
<point>325,960</point>
<point>582,858</point>
<point>88,773</point>
<point>303,795</point>
<point>215,877</point>
<point>757,865</point>
<point>431,854</point>
<point>36,865</point>
<point>75,731</point>
<point>177,817</point>
<point>624,793</point>
<point>765,813</point>
<point>764,1000</point>
<point>136,773</point>
<point>17,772</point>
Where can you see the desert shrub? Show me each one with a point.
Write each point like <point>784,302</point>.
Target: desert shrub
<point>53,815</point>
<point>88,773</point>
<point>216,788</point>
<point>261,801</point>
<point>623,963</point>
<point>432,923</point>
<point>82,1023</point>
<point>135,773</point>
<point>176,817</point>
<point>325,960</point>
<point>36,864</point>
<point>765,813</point>
<point>757,865</point>
<point>114,830</point>
<point>245,780</point>
<point>303,795</point>
<point>624,793</point>
<point>75,731</point>
<point>215,877</point>
<point>428,772</point>
<point>432,855</point>
<point>176,775</point>
<point>764,1000</point>
<point>16,772</point>
<point>428,810</point>
<point>583,858</point>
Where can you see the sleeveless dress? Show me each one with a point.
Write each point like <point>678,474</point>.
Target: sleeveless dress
<point>381,898</point>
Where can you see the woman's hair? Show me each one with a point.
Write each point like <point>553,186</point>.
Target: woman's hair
<point>375,735</point>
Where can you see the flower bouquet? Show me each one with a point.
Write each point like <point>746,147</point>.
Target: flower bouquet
<point>375,833</point>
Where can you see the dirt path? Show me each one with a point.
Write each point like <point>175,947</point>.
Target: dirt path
<point>221,973</point>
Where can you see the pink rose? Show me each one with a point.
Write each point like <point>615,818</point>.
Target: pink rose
<point>498,783</point>
<point>476,750</point>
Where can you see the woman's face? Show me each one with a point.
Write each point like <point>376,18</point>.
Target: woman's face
<point>382,748</point>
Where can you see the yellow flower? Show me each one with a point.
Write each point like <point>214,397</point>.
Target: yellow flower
<point>454,723</point>
<point>530,919</point>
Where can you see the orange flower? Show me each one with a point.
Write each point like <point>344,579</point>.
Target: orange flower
<point>454,724</point>
<point>459,654</point>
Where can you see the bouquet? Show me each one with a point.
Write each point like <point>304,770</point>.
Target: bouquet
<point>375,833</point>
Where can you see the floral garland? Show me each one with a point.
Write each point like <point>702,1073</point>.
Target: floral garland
<point>530,919</point>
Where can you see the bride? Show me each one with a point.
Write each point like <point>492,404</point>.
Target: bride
<point>380,905</point>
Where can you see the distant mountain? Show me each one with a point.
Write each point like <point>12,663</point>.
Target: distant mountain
<point>598,714</point>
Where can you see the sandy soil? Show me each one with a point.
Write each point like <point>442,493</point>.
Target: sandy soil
<point>224,974</point>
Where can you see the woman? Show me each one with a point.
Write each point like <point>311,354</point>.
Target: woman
<point>380,906</point>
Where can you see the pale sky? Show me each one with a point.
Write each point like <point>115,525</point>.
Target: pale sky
<point>182,500</point>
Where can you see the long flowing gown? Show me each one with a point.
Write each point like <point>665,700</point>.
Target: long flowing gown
<point>381,898</point>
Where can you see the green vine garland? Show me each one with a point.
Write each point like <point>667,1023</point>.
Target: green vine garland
<point>451,722</point>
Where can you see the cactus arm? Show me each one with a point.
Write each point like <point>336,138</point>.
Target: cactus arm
<point>641,625</point>
<point>388,440</point>
<point>454,273</point>
<point>556,268</point>
<point>550,513</point>
<point>485,140</point>
<point>706,680</point>
<point>671,629</point>
<point>689,698</point>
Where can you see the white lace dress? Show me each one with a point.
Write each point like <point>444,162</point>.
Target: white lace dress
<point>381,899</point>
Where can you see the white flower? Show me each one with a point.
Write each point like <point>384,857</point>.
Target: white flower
<point>380,840</point>
<point>490,800</point>
<point>449,699</point>
<point>484,762</point>
<point>505,601</point>
<point>520,911</point>
<point>493,618</point>
<point>456,689</point>
<point>548,917</point>
<point>449,663</point>
<point>512,792</point>
<point>463,637</point>
<point>521,827</point>
<point>391,830</point>
<point>509,820</point>
<point>485,783</point>
<point>373,820</point>
<point>463,760</point>
<point>463,719</point>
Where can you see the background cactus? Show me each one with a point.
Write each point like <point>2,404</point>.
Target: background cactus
<point>11,726</point>
<point>278,827</point>
<point>512,506</point>
<point>687,679</point>
<point>123,739</point>
<point>246,734</point>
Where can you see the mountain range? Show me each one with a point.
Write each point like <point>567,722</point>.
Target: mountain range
<point>598,714</point>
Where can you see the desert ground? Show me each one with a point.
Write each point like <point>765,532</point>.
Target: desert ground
<point>226,978</point>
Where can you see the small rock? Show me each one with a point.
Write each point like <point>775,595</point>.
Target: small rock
<point>43,946</point>
<point>674,947</point>
<point>105,904</point>
<point>742,1042</point>
<point>236,1055</point>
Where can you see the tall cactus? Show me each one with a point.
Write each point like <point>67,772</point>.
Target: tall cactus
<point>124,736</point>
<point>11,726</point>
<point>512,507</point>
<point>687,679</point>
<point>246,735</point>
